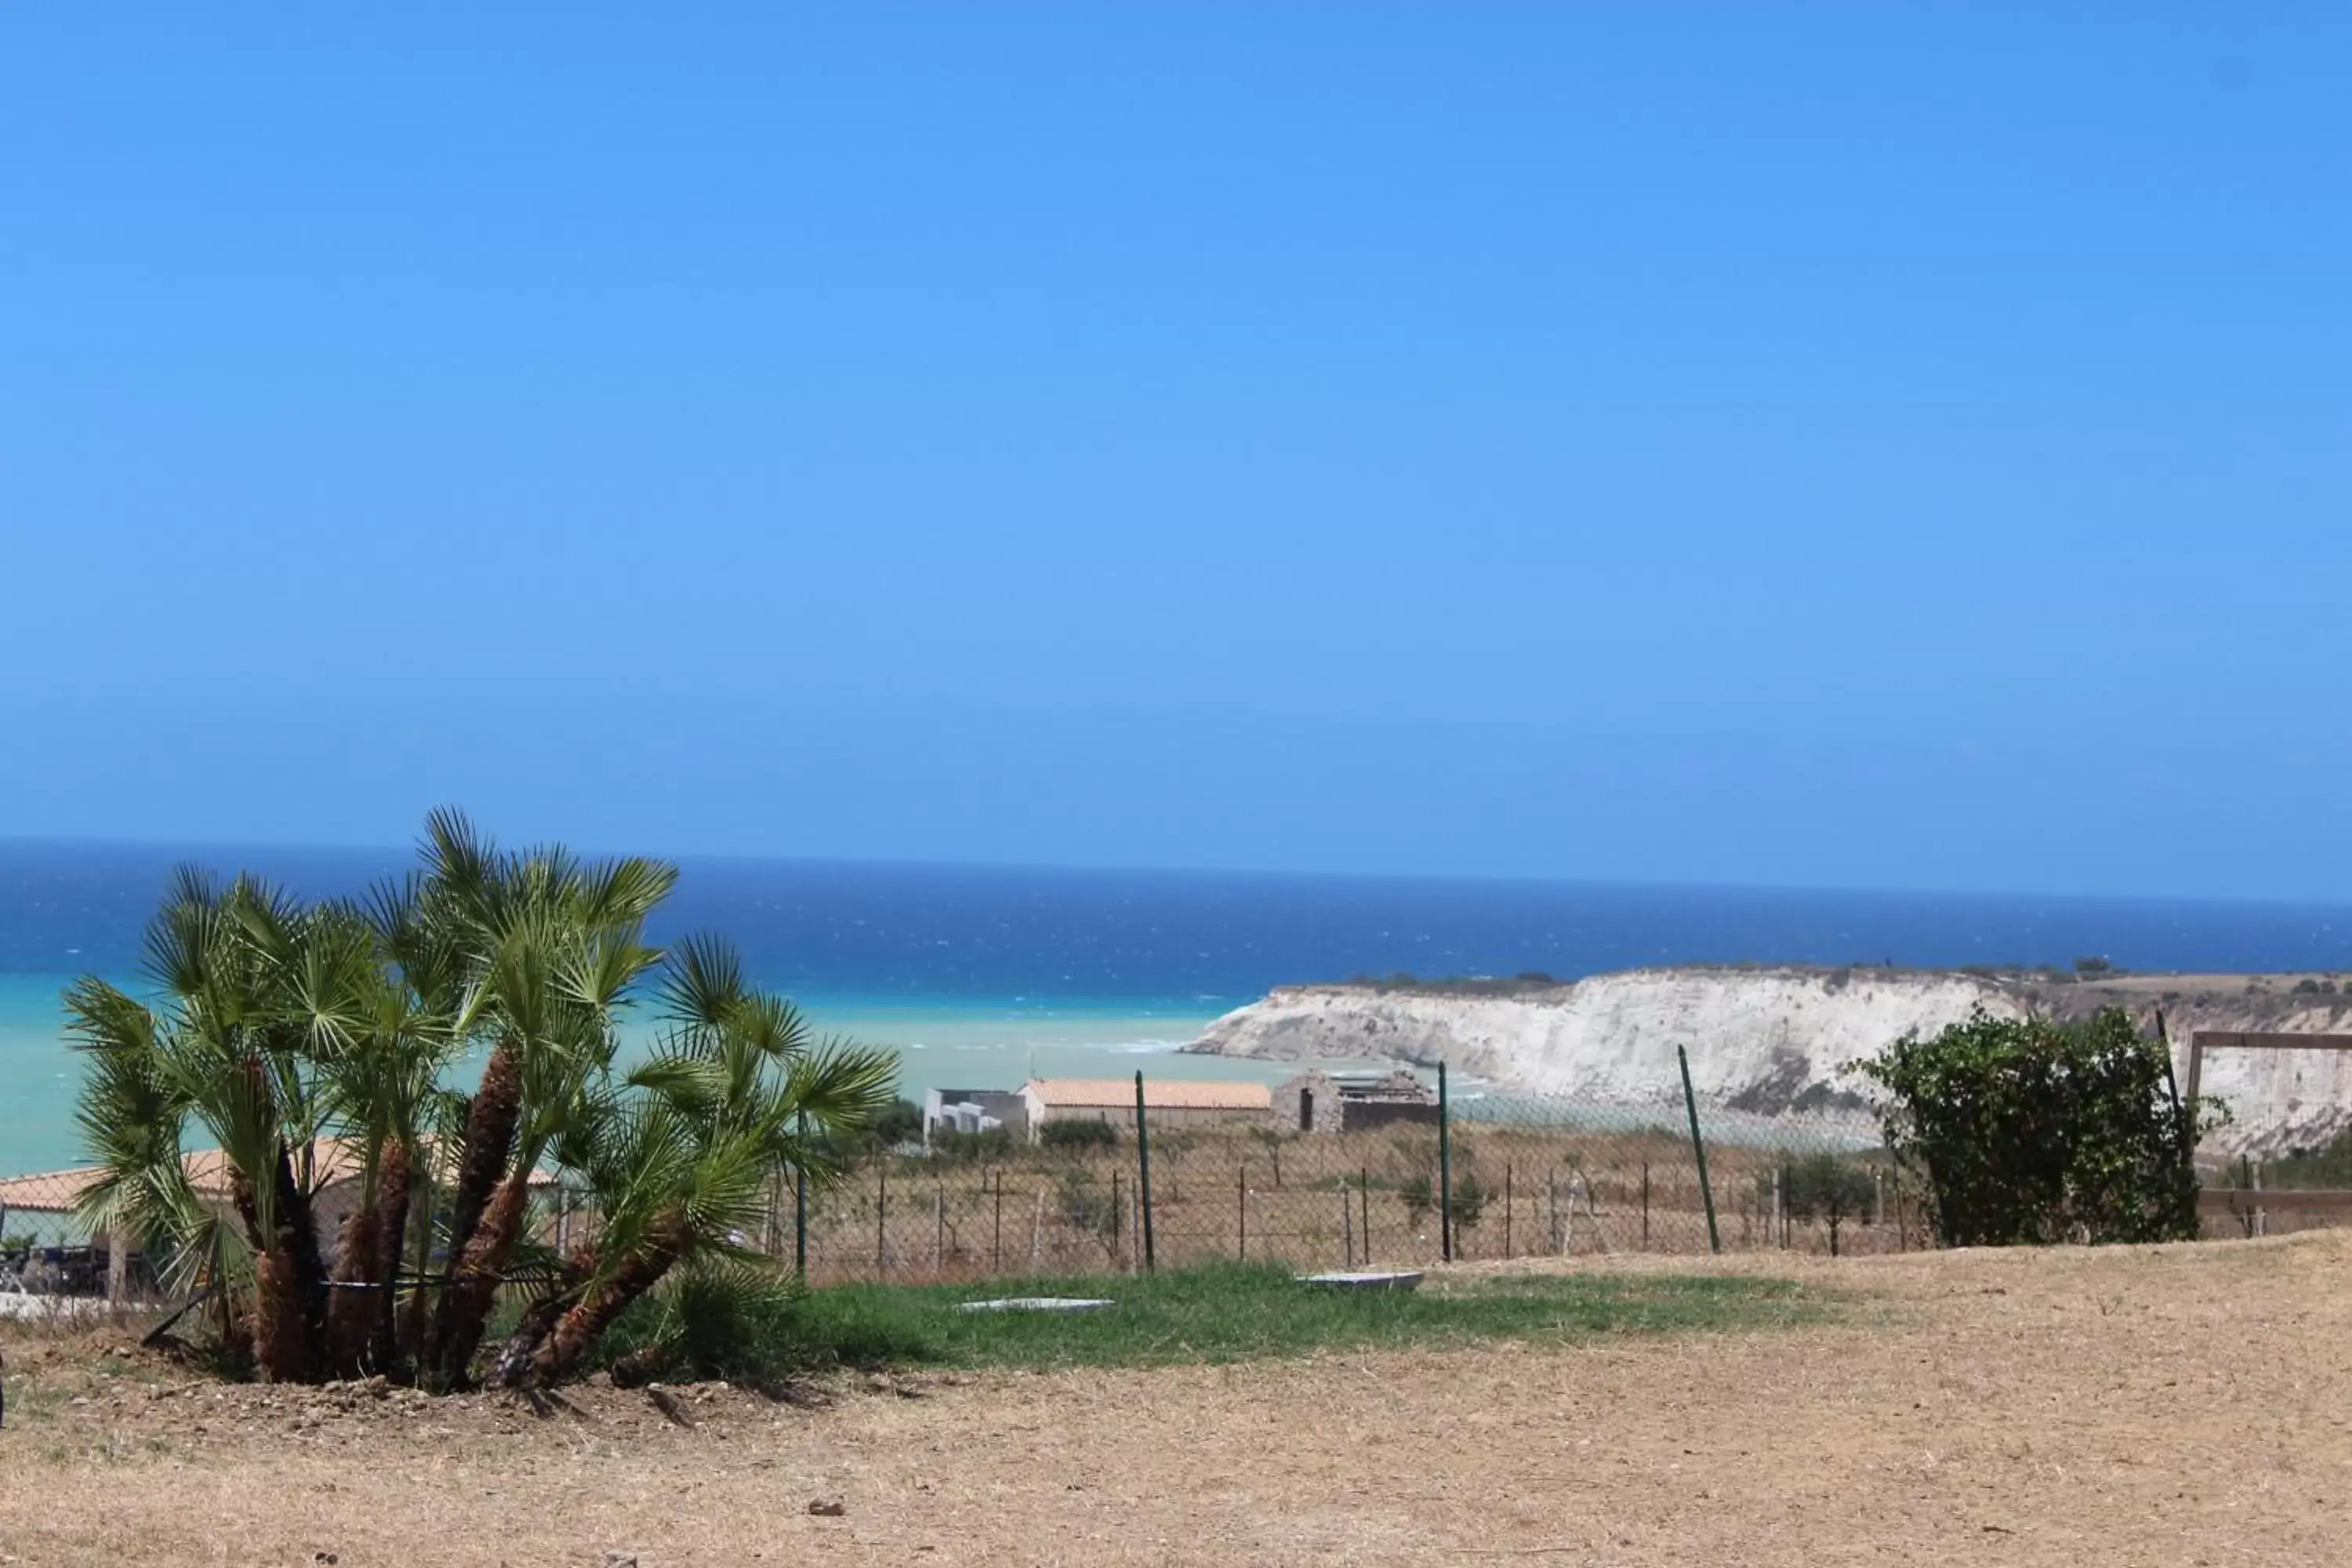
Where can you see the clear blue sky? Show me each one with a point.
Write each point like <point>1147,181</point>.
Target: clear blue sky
<point>1894,446</point>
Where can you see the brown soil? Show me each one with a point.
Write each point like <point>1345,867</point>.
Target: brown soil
<point>2173,1406</point>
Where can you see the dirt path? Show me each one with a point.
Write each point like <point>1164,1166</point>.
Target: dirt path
<point>2168,1406</point>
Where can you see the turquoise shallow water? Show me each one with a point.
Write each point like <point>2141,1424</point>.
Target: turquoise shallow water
<point>972,1043</point>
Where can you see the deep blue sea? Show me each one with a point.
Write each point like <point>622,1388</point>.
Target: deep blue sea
<point>981,974</point>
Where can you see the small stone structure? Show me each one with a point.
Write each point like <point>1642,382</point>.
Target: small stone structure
<point>1319,1101</point>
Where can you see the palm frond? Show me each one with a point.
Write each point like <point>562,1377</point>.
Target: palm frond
<point>701,983</point>
<point>771,1025</point>
<point>841,1087</point>
<point>623,892</point>
<point>180,937</point>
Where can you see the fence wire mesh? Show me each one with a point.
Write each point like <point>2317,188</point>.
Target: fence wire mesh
<point>1509,1176</point>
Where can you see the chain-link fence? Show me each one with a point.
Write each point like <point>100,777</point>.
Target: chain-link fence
<point>1470,1175</point>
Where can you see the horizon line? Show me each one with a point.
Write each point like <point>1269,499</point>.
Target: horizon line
<point>1102,869</point>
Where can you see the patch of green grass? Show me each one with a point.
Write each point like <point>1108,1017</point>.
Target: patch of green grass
<point>1236,1313</point>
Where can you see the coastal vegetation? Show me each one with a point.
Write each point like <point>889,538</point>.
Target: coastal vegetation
<point>1829,1188</point>
<point>2030,1131</point>
<point>322,1047</point>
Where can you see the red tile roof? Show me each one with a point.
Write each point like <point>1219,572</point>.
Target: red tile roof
<point>1158,1094</point>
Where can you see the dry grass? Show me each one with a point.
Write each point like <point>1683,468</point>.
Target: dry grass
<point>1221,1193</point>
<point>2168,1405</point>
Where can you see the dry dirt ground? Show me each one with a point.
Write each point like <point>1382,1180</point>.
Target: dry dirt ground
<point>2175,1406</point>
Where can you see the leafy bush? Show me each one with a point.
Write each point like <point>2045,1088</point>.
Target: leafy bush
<point>1829,1188</point>
<point>1419,1195</point>
<point>1074,1137</point>
<point>1087,1204</point>
<point>1470,1196</point>
<point>902,1123</point>
<point>983,1147</point>
<point>2028,1130</point>
<point>714,1318</point>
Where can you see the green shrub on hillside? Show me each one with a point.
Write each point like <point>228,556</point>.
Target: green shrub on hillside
<point>2028,1130</point>
<point>1074,1136</point>
<point>984,1147</point>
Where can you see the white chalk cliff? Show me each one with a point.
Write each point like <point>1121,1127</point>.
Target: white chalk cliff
<point>1769,1040</point>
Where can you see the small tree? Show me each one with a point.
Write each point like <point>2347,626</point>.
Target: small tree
<point>1470,1196</point>
<point>2028,1130</point>
<point>1828,1188</point>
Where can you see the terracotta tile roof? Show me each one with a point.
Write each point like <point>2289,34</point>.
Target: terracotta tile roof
<point>1162,1094</point>
<point>56,1192</point>
<point>48,1191</point>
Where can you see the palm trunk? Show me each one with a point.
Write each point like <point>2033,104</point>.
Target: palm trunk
<point>297,1237</point>
<point>289,1285</point>
<point>474,1283</point>
<point>415,1313</point>
<point>490,1123</point>
<point>248,1213</point>
<point>513,1367</point>
<point>576,1332</point>
<point>392,1204</point>
<point>280,1347</point>
<point>351,1294</point>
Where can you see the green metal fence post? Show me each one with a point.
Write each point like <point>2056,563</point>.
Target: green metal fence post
<point>1444,1169</point>
<point>1143,1173</point>
<point>1698,1148</point>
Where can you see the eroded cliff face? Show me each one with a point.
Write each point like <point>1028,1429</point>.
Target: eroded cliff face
<point>1767,1040</point>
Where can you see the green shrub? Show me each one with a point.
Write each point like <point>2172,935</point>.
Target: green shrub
<point>1419,1195</point>
<point>1828,1188</point>
<point>1470,1196</point>
<point>715,1318</point>
<point>983,1147</point>
<point>2028,1130</point>
<point>1076,1136</point>
<point>902,1123</point>
<point>1091,1207</point>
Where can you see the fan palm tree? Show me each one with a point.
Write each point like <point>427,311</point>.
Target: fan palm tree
<point>555,946</point>
<point>313,1044</point>
<point>257,997</point>
<point>680,1159</point>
